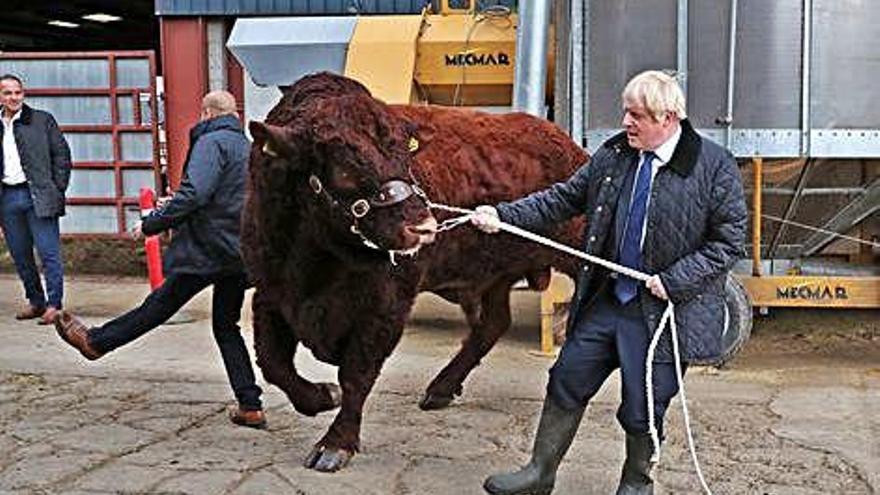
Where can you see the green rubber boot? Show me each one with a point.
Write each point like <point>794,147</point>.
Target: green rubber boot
<point>636,476</point>
<point>556,431</point>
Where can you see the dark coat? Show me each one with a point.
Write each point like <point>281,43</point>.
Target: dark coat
<point>205,211</point>
<point>695,231</point>
<point>45,159</point>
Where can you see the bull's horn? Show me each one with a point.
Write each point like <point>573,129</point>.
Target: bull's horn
<point>267,149</point>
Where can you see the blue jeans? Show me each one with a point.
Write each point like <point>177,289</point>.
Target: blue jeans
<point>167,299</point>
<point>608,336</point>
<point>23,230</point>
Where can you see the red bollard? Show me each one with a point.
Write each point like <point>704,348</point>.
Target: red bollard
<point>151,243</point>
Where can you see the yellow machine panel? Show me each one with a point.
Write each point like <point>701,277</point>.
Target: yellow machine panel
<point>456,57</point>
<point>482,48</point>
<point>816,292</point>
<point>382,55</point>
<point>466,59</point>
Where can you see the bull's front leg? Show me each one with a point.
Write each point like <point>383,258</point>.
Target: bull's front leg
<point>357,375</point>
<point>275,346</point>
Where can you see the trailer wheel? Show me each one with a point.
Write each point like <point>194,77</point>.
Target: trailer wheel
<point>738,316</point>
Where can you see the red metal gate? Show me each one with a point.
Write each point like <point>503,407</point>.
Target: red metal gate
<point>106,106</point>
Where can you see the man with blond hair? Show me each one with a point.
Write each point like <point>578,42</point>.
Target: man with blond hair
<point>660,199</point>
<point>204,215</point>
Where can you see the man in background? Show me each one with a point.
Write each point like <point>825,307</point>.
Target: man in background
<point>34,173</point>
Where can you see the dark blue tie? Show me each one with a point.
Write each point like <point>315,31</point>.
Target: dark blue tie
<point>630,255</point>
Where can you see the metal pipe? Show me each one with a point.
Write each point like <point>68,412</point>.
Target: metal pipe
<point>682,46</point>
<point>758,175</point>
<point>791,209</point>
<point>731,74</point>
<point>216,42</point>
<point>586,66</point>
<point>530,72</point>
<point>562,80</point>
<point>805,77</point>
<point>578,81</point>
<point>831,268</point>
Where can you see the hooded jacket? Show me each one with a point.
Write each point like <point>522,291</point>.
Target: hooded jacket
<point>205,211</point>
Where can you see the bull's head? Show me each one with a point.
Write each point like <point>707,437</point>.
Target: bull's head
<point>355,156</point>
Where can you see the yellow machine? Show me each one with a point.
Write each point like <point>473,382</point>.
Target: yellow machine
<point>456,56</point>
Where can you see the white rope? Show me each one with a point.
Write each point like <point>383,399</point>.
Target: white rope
<point>542,240</point>
<point>821,230</point>
<point>649,381</point>
<point>687,419</point>
<point>668,319</point>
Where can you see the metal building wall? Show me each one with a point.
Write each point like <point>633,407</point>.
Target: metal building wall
<point>781,100</point>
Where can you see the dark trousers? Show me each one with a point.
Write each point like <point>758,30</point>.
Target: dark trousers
<point>608,336</point>
<point>166,300</point>
<point>23,230</point>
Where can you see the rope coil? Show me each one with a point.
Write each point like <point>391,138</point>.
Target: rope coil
<point>668,319</point>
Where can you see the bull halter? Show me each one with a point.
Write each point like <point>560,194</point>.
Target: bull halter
<point>390,193</point>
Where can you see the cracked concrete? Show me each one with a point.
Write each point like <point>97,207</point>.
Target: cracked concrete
<point>795,414</point>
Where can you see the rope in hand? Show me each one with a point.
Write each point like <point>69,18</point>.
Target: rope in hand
<point>668,319</point>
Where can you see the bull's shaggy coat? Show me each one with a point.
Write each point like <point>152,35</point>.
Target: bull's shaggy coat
<point>319,285</point>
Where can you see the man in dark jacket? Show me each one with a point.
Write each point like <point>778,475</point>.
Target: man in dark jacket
<point>664,201</point>
<point>204,215</point>
<point>35,169</point>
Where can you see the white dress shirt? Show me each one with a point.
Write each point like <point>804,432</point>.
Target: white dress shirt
<point>12,171</point>
<point>662,156</point>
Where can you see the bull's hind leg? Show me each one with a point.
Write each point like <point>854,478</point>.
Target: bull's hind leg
<point>275,347</point>
<point>488,319</point>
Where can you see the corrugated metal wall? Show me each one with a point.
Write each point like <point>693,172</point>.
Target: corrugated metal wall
<point>297,7</point>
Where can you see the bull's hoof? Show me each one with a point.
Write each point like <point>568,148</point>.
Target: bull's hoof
<point>431,402</point>
<point>327,460</point>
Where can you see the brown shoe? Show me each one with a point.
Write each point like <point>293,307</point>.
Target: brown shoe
<point>250,418</point>
<point>75,333</point>
<point>30,313</point>
<point>49,315</point>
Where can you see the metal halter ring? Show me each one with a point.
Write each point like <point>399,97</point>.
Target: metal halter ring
<point>315,184</point>
<point>360,208</point>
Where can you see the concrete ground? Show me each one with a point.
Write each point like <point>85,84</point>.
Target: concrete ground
<point>795,413</point>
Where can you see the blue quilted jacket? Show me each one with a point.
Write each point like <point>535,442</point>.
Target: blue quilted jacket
<point>695,232</point>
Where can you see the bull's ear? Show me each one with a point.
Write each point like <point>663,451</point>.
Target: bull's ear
<point>274,140</point>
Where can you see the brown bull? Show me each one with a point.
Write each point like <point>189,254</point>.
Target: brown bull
<point>335,186</point>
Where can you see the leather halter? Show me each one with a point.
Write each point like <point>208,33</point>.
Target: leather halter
<point>390,193</point>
